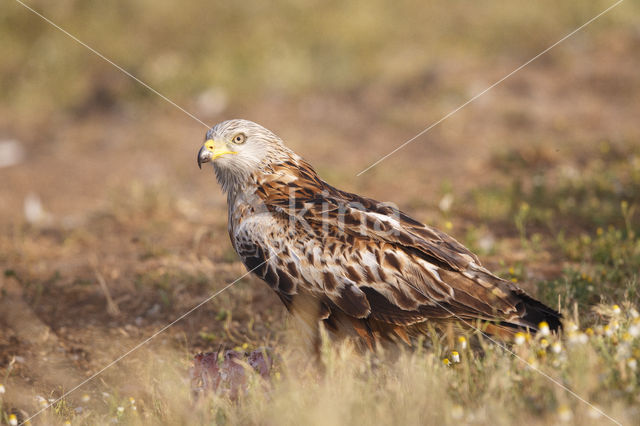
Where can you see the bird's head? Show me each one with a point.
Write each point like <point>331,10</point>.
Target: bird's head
<point>238,148</point>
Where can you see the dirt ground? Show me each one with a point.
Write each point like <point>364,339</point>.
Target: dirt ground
<point>109,231</point>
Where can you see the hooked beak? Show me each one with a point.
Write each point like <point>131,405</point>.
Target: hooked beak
<point>211,150</point>
<point>204,156</point>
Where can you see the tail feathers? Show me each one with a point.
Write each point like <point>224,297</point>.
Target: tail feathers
<point>534,312</point>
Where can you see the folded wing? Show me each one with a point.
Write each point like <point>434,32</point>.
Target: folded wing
<point>371,261</point>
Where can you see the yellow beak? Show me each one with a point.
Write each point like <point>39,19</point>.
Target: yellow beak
<point>211,150</point>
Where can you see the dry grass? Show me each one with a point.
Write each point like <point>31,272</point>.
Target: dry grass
<point>409,387</point>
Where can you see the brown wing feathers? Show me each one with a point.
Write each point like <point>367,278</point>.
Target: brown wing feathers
<point>366,260</point>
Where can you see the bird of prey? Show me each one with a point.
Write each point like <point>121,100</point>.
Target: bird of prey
<point>361,267</point>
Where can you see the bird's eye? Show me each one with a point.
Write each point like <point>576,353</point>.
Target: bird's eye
<point>240,138</point>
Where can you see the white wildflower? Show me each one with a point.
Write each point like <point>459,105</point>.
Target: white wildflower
<point>462,342</point>
<point>544,328</point>
<point>565,414</point>
<point>445,203</point>
<point>594,413</point>
<point>457,412</point>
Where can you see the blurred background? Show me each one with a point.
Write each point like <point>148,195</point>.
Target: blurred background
<point>108,230</point>
<point>354,79</point>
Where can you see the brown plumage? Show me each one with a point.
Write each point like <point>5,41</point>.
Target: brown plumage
<point>362,267</point>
